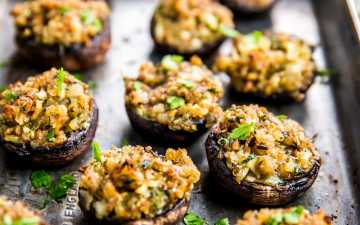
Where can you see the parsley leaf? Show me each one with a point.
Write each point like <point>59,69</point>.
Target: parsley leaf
<point>292,217</point>
<point>96,151</point>
<point>193,219</point>
<point>323,73</point>
<point>125,142</point>
<point>243,131</point>
<point>78,76</point>
<point>64,9</point>
<point>89,19</point>
<point>175,102</point>
<point>170,62</point>
<point>25,221</point>
<point>92,85</point>
<point>40,179</point>
<point>253,39</point>
<point>51,135</point>
<point>282,117</point>
<point>59,190</point>
<point>248,159</point>
<point>60,80</point>
<point>223,221</point>
<point>187,83</point>
<point>137,86</point>
<point>228,31</point>
<point>9,95</point>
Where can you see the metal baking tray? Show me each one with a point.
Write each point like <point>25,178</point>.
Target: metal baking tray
<point>331,110</point>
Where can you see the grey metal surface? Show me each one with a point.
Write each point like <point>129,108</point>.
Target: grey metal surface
<point>331,110</point>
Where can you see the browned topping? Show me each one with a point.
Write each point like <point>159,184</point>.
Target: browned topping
<point>263,148</point>
<point>63,22</point>
<point>175,93</point>
<point>133,182</point>
<point>270,64</point>
<point>189,25</point>
<point>45,110</point>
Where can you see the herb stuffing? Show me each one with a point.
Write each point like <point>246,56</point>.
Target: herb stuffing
<point>175,93</point>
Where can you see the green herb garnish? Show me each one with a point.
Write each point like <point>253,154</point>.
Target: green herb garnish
<point>187,83</point>
<point>193,219</point>
<point>60,80</point>
<point>9,95</point>
<point>51,135</point>
<point>137,86</point>
<point>40,179</point>
<point>170,62</point>
<point>223,221</point>
<point>25,221</point>
<point>175,102</point>
<point>59,190</point>
<point>92,85</point>
<point>125,142</point>
<point>89,19</point>
<point>96,151</point>
<point>78,76</point>
<point>243,131</point>
<point>248,159</point>
<point>4,64</point>
<point>253,39</point>
<point>323,73</point>
<point>64,9</point>
<point>228,31</point>
<point>292,217</point>
<point>282,117</point>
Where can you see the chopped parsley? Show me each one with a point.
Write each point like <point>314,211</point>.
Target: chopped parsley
<point>64,9</point>
<point>22,221</point>
<point>125,142</point>
<point>60,80</point>
<point>78,76</point>
<point>137,86</point>
<point>228,31</point>
<point>323,73</point>
<point>187,83</point>
<point>96,151</point>
<point>9,95</point>
<point>60,189</point>
<point>248,159</point>
<point>223,221</point>
<point>92,85</point>
<point>40,179</point>
<point>292,217</point>
<point>175,102</point>
<point>282,117</point>
<point>253,39</point>
<point>170,62</point>
<point>243,131</point>
<point>89,19</point>
<point>51,135</point>
<point>193,219</point>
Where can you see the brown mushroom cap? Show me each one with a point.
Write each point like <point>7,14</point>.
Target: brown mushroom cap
<point>256,193</point>
<point>75,146</point>
<point>74,58</point>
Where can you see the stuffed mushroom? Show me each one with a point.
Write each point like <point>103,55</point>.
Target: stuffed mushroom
<point>263,158</point>
<point>133,186</point>
<point>190,27</point>
<point>48,120</point>
<point>74,34</point>
<point>295,215</point>
<point>17,213</point>
<point>272,66</point>
<point>249,6</point>
<point>176,100</point>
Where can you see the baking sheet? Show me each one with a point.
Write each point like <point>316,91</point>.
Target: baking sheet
<point>331,110</point>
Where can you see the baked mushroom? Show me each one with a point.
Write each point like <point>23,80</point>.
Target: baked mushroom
<point>176,100</point>
<point>49,120</point>
<point>133,185</point>
<point>190,26</point>
<point>272,66</point>
<point>249,6</point>
<point>263,158</point>
<point>295,215</point>
<point>74,34</point>
<point>17,213</point>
